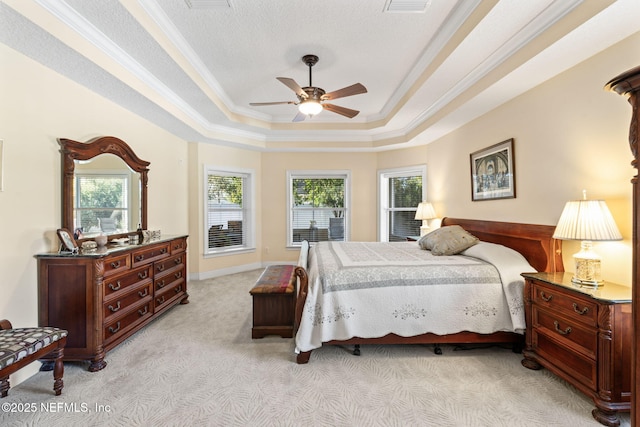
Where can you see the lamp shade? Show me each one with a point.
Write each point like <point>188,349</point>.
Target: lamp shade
<point>588,220</point>
<point>425,211</point>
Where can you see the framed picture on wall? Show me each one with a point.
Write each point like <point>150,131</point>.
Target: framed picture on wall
<point>493,174</point>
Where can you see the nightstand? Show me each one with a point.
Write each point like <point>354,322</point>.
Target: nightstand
<point>583,335</point>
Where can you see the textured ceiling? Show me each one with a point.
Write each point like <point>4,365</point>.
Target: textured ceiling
<point>194,66</point>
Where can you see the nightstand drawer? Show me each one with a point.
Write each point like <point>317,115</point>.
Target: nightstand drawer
<point>581,309</point>
<point>577,366</point>
<point>567,332</point>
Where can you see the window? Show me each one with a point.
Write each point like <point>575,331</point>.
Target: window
<point>318,206</point>
<point>401,190</point>
<point>102,203</point>
<point>229,213</point>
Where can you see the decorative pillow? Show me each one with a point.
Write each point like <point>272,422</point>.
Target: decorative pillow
<point>448,240</point>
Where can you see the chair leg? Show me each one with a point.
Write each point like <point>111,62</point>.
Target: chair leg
<point>4,386</point>
<point>58,370</point>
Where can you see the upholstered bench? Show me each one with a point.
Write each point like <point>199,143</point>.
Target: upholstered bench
<point>274,302</point>
<point>21,346</point>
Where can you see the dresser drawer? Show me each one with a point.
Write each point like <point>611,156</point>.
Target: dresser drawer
<point>165,266</point>
<point>573,306</point>
<point>168,295</point>
<point>116,264</point>
<point>577,366</point>
<point>121,325</point>
<point>178,245</point>
<point>133,295</point>
<point>150,254</point>
<point>171,278</point>
<point>566,331</point>
<point>113,285</point>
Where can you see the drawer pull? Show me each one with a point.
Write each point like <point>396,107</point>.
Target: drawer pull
<point>114,288</point>
<point>178,275</point>
<point>116,329</point>
<point>160,300</point>
<point>146,310</point>
<point>583,311</point>
<point>178,289</point>
<point>544,297</point>
<point>144,293</point>
<point>115,264</point>
<point>560,331</point>
<point>140,258</point>
<point>143,274</point>
<point>160,284</point>
<point>161,267</point>
<point>163,250</point>
<point>177,261</point>
<point>114,309</point>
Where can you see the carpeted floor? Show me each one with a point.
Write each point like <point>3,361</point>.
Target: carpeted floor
<point>197,365</point>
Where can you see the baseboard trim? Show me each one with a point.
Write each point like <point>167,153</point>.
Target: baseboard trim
<point>235,269</point>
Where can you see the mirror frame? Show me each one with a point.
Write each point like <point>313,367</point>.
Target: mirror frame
<point>75,150</point>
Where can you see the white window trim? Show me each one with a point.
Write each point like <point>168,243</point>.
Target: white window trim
<point>328,173</point>
<point>383,193</point>
<point>250,198</point>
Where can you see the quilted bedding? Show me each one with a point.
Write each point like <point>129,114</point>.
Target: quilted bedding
<point>371,289</point>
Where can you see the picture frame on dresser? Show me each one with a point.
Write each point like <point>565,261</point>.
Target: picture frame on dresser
<point>493,172</point>
<point>68,243</point>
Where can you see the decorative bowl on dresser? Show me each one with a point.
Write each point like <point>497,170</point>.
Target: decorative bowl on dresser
<point>583,335</point>
<point>102,297</point>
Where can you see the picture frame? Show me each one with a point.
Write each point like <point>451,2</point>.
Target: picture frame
<point>493,174</point>
<point>68,243</point>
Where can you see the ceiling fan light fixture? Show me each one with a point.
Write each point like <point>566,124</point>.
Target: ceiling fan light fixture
<point>310,107</point>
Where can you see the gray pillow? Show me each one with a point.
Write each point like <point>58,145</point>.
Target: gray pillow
<point>448,240</point>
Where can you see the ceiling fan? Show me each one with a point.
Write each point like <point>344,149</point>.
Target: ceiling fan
<point>311,98</point>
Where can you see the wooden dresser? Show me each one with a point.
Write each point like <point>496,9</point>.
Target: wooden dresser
<point>103,297</point>
<point>583,335</point>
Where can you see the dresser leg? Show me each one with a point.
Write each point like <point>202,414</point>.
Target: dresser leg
<point>97,365</point>
<point>531,364</point>
<point>608,418</point>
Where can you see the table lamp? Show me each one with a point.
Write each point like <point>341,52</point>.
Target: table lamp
<point>425,212</point>
<point>587,221</point>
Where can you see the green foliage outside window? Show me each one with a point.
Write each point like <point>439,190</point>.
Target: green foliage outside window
<point>319,193</point>
<point>228,188</point>
<point>406,192</point>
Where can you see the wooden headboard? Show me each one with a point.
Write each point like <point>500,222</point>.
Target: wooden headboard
<point>534,242</point>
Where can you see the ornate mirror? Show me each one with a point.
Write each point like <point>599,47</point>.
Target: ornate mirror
<point>104,187</point>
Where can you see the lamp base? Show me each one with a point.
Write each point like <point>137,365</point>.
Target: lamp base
<point>425,229</point>
<point>587,283</point>
<point>587,263</point>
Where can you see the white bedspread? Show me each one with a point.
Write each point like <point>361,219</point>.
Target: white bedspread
<point>371,289</point>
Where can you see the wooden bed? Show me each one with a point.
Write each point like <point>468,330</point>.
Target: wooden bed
<point>534,242</point>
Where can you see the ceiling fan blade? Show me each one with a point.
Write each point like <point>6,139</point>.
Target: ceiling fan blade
<point>299,117</point>
<point>355,89</point>
<point>347,112</point>
<point>258,104</point>
<point>291,84</point>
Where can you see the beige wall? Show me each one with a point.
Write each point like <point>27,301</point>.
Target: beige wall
<point>570,134</point>
<point>38,107</point>
<point>362,167</point>
<point>201,155</point>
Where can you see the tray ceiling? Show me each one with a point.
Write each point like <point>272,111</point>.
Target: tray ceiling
<point>193,66</point>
